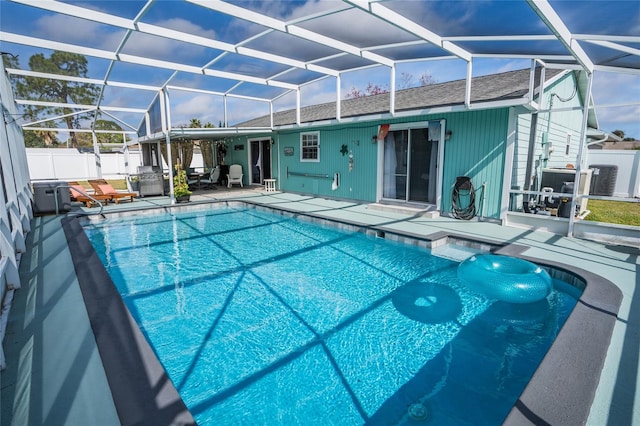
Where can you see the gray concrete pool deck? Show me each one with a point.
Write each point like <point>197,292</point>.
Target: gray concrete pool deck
<point>55,374</point>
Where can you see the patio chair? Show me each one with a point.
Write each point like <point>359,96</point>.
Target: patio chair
<point>211,180</point>
<point>103,187</point>
<point>235,175</point>
<point>79,193</point>
<point>194,180</point>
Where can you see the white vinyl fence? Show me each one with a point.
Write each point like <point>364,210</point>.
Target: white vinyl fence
<point>70,164</point>
<point>628,162</point>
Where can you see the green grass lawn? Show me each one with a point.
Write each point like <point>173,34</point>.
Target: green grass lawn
<point>614,212</point>
<point>116,183</point>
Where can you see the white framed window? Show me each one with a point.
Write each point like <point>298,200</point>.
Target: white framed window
<point>310,147</point>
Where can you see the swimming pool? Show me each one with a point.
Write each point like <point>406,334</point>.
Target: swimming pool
<point>260,318</point>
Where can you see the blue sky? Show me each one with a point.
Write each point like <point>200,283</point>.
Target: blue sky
<point>448,18</point>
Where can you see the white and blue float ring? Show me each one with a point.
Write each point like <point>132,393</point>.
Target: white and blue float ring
<point>505,278</point>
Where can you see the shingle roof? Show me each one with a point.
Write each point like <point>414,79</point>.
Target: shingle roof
<point>495,87</point>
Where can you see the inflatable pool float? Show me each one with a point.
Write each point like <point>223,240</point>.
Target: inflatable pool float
<point>505,278</point>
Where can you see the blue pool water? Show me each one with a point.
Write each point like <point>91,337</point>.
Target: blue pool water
<point>260,318</point>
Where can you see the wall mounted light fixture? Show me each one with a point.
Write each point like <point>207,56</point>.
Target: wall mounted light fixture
<point>447,135</point>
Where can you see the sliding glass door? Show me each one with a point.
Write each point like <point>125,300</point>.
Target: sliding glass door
<point>410,164</point>
<point>259,160</point>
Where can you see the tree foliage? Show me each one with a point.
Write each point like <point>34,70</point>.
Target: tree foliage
<point>196,123</point>
<point>109,138</point>
<point>58,91</point>
<point>371,89</point>
<point>10,61</point>
<point>623,136</point>
<point>40,139</point>
<point>85,139</point>
<point>406,81</point>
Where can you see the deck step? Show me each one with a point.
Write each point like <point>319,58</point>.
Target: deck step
<point>425,211</point>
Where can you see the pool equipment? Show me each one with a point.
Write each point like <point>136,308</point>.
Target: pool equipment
<point>505,278</point>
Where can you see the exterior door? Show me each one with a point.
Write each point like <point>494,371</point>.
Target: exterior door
<point>260,160</point>
<point>410,165</point>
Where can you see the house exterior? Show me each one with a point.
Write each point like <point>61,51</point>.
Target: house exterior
<point>413,156</point>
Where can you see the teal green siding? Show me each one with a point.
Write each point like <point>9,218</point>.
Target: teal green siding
<point>236,156</point>
<point>358,184</point>
<point>552,129</point>
<point>476,149</point>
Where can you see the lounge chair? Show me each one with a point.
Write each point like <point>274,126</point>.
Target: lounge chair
<point>80,193</point>
<point>103,187</point>
<point>235,175</point>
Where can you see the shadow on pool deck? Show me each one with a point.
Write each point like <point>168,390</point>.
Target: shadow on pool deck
<point>55,374</point>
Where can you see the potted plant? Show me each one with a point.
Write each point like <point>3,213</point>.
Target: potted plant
<point>180,185</point>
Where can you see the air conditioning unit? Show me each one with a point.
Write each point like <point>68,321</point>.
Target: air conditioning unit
<point>603,179</point>
<point>555,178</point>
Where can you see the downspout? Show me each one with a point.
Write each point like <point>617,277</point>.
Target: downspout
<point>530,153</point>
<point>546,152</point>
<point>604,138</point>
<point>528,174</point>
<point>583,135</point>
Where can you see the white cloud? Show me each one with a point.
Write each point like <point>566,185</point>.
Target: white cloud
<point>171,50</point>
<point>616,89</point>
<point>91,34</point>
<point>610,88</point>
<point>288,10</point>
<point>186,106</point>
<point>78,31</point>
<point>179,24</point>
<point>125,97</point>
<point>320,92</point>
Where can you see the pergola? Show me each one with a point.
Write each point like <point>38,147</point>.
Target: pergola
<point>274,53</point>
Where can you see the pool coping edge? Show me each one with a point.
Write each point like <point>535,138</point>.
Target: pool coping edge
<point>563,386</point>
<point>141,390</point>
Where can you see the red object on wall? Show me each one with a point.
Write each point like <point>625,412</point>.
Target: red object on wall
<point>382,133</point>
